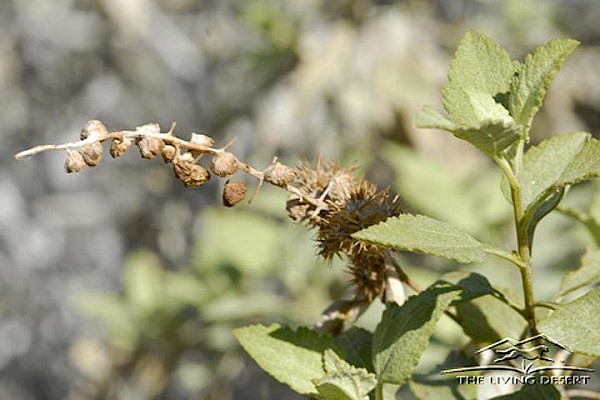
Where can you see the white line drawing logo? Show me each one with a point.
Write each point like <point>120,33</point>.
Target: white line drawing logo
<point>532,351</point>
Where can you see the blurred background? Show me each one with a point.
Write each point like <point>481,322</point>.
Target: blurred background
<point>118,283</point>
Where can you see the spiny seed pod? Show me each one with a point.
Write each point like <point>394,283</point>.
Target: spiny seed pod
<point>74,162</point>
<point>92,153</point>
<point>233,193</point>
<point>188,172</point>
<point>224,164</point>
<point>93,128</point>
<point>168,153</point>
<point>149,147</point>
<point>119,146</point>
<point>279,174</point>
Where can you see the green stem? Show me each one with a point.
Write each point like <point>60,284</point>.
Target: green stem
<point>523,245</point>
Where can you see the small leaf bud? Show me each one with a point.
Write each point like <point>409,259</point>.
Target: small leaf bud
<point>279,174</point>
<point>233,193</point>
<point>224,164</point>
<point>92,153</point>
<point>74,162</point>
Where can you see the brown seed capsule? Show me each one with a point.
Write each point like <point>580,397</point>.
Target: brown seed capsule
<point>119,146</point>
<point>188,172</point>
<point>200,140</point>
<point>149,147</point>
<point>74,162</point>
<point>92,153</point>
<point>168,153</point>
<point>279,174</point>
<point>233,193</point>
<point>93,128</point>
<point>224,164</point>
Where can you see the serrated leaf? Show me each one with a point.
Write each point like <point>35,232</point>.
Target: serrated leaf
<point>562,160</point>
<point>356,343</point>
<point>528,392</point>
<point>588,273</point>
<point>534,76</point>
<point>489,318</point>
<point>344,381</point>
<point>404,332</point>
<point>575,325</point>
<point>294,358</point>
<point>442,389</point>
<point>418,233</point>
<point>479,65</point>
<point>473,285</point>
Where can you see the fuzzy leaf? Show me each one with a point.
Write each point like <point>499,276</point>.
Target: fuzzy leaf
<point>534,76</point>
<point>488,318</point>
<point>587,274</point>
<point>575,325</point>
<point>418,233</point>
<point>479,66</point>
<point>357,343</point>
<point>562,160</point>
<point>292,357</point>
<point>493,132</point>
<point>528,392</point>
<point>404,332</point>
<point>344,381</point>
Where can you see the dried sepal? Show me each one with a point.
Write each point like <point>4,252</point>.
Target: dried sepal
<point>74,162</point>
<point>150,147</point>
<point>119,145</point>
<point>233,193</point>
<point>188,172</point>
<point>200,140</point>
<point>168,153</point>
<point>91,153</point>
<point>224,164</point>
<point>279,174</point>
<point>93,128</point>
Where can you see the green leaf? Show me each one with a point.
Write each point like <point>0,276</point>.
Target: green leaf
<point>357,343</point>
<point>418,233</point>
<point>493,132</point>
<point>488,318</point>
<point>344,381</point>
<point>143,278</point>
<point>587,274</point>
<point>528,392</point>
<point>473,285</point>
<point>534,76</point>
<point>294,358</point>
<point>575,325</point>
<point>562,160</point>
<point>442,389</point>
<point>404,332</point>
<point>480,69</point>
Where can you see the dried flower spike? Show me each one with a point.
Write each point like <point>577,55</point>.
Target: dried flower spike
<point>224,164</point>
<point>74,162</point>
<point>233,193</point>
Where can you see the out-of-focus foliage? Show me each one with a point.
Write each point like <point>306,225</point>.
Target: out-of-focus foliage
<point>340,78</point>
